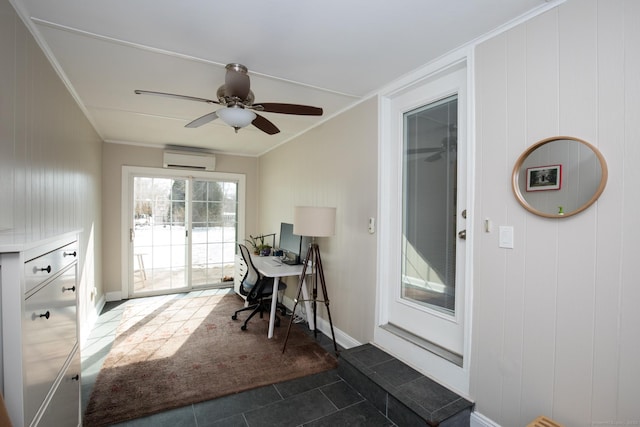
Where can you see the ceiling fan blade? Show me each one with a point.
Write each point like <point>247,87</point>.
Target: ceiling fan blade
<point>237,81</point>
<point>173,95</point>
<point>202,120</point>
<point>434,157</point>
<point>265,125</point>
<point>300,110</point>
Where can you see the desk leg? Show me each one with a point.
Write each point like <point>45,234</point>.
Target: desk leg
<point>274,303</point>
<point>307,305</point>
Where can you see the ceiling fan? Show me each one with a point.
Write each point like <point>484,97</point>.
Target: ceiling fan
<point>448,143</point>
<point>236,97</point>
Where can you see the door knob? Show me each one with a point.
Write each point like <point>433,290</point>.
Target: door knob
<point>462,234</point>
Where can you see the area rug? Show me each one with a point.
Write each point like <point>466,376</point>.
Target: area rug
<point>173,353</point>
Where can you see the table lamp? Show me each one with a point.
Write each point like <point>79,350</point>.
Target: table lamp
<point>313,221</point>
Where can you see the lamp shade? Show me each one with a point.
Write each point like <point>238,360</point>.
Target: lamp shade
<point>236,117</point>
<point>313,221</point>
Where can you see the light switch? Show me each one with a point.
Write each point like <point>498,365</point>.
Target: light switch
<point>506,237</point>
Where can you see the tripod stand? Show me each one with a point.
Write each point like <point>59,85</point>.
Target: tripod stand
<point>313,255</point>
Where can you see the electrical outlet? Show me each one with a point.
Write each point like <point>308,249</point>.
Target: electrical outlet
<point>372,225</point>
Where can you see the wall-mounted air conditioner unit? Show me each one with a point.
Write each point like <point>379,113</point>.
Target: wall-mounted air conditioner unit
<point>187,160</point>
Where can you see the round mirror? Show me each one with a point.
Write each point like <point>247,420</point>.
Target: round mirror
<point>559,177</point>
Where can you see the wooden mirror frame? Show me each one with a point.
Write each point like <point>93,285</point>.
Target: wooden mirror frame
<point>518,166</point>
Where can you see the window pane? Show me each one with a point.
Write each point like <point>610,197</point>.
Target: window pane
<point>159,240</point>
<point>429,211</point>
<point>215,232</point>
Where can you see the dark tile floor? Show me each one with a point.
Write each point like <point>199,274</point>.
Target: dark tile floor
<point>401,392</point>
<point>323,399</point>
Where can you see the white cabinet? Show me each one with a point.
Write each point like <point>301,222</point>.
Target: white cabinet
<point>41,357</point>
<point>64,407</point>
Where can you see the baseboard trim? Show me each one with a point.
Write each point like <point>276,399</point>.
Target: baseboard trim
<point>114,296</point>
<point>344,340</point>
<point>479,420</point>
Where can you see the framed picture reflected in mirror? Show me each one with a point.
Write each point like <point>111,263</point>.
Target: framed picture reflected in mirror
<point>542,178</point>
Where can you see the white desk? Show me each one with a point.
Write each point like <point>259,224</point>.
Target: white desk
<point>269,267</point>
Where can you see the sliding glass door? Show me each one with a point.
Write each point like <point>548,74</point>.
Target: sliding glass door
<point>159,235</point>
<point>182,229</point>
<point>214,231</point>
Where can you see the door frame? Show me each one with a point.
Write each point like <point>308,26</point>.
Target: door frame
<point>128,172</point>
<point>390,227</point>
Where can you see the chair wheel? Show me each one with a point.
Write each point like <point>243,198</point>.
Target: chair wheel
<point>243,327</point>
<point>234,317</point>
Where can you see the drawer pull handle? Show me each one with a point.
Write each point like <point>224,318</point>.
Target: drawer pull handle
<point>72,289</point>
<point>47,269</point>
<point>76,377</point>
<point>46,315</point>
<point>69,253</point>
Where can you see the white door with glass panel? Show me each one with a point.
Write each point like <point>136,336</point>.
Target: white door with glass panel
<point>424,295</point>
<point>182,230</point>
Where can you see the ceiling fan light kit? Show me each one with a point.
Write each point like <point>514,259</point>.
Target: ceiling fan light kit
<point>236,117</point>
<point>237,98</point>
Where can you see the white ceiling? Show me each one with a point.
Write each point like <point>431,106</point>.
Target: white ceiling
<point>328,54</point>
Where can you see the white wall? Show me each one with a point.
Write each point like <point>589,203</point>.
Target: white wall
<point>333,165</point>
<point>555,327</point>
<point>50,171</point>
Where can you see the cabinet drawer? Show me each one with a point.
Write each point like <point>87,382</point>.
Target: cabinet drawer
<point>64,407</point>
<point>241,271</point>
<point>40,269</point>
<point>49,335</point>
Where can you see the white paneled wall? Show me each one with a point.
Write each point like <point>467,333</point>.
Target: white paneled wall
<point>555,328</point>
<point>50,156</point>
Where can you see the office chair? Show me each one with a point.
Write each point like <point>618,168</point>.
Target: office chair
<point>258,290</point>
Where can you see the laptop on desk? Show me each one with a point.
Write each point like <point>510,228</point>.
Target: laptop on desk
<point>289,258</point>
<point>291,261</point>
